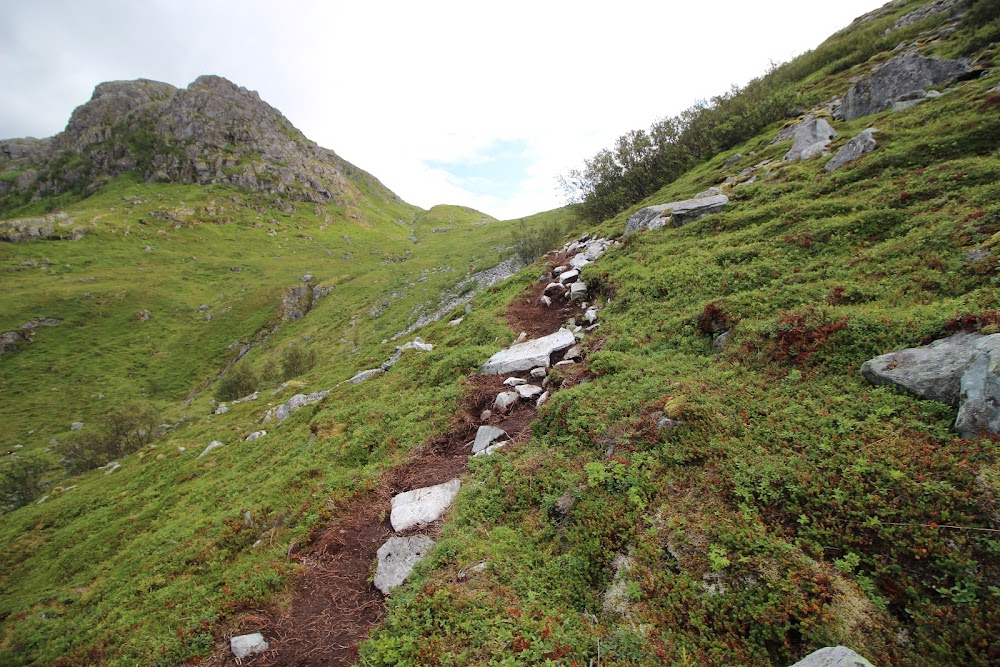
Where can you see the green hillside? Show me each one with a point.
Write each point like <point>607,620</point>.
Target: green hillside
<point>674,504</point>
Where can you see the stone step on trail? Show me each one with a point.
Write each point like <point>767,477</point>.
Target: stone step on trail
<point>529,354</point>
<point>420,507</point>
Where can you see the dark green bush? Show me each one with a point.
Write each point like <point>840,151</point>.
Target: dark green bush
<point>295,361</point>
<point>531,243</point>
<point>237,383</point>
<point>21,479</point>
<point>123,430</point>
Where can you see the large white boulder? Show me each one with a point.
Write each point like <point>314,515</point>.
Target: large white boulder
<point>529,354</point>
<point>422,506</point>
<point>833,656</point>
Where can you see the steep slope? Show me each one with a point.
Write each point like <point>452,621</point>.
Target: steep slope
<point>696,499</point>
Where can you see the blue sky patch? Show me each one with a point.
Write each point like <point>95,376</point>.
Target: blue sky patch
<point>496,170</point>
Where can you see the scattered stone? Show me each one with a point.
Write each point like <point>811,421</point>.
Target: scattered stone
<point>397,558</point>
<point>420,507</point>
<point>542,399</point>
<point>294,403</point>
<point>42,500</point>
<point>811,138</point>
<point>545,300</point>
<point>616,597</point>
<point>528,355</point>
<point>143,315</point>
<point>833,656</point>
<point>905,77</point>
<point>719,344</point>
<point>256,435</point>
<point>574,353</point>
<point>222,409</point>
<point>736,157</point>
<point>485,415</point>
<point>417,344</point>
<point>564,363</point>
<point>521,337</point>
<point>456,322</point>
<point>976,255</point>
<point>514,381</point>
<point>568,276</point>
<point>528,391</point>
<point>215,444</point>
<point>539,373</point>
<point>555,287</point>
<point>853,149</point>
<point>245,646</point>
<point>307,278</point>
<point>591,315</point>
<point>485,436</point>
<point>679,213</point>
<point>111,467</point>
<point>76,426</point>
<point>578,291</point>
<point>504,401</point>
<point>492,448</point>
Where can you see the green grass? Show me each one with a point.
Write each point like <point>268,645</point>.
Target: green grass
<point>796,507</point>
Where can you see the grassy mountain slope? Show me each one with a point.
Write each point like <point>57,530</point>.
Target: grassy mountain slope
<point>795,506</point>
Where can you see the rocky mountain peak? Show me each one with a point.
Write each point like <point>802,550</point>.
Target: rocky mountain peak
<point>212,131</point>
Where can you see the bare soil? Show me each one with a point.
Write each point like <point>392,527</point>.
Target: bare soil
<point>332,606</point>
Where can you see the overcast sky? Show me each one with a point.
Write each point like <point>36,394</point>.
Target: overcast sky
<point>473,103</point>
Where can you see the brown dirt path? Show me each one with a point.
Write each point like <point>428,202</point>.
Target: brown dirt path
<point>332,606</point>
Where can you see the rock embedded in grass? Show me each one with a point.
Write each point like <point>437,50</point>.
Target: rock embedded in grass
<point>397,558</point>
<point>419,507</point>
<point>244,646</point>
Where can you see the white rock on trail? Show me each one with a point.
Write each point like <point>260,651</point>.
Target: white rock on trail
<point>528,391</point>
<point>528,355</point>
<point>397,558</point>
<point>422,506</point>
<point>485,436</point>
<point>243,646</point>
<point>504,401</point>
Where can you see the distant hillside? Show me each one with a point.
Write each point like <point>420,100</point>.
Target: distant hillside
<point>211,132</point>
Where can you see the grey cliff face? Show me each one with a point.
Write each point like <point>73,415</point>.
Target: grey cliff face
<point>213,131</point>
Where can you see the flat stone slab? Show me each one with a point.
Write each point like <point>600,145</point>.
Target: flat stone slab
<point>215,444</point>
<point>422,506</point>
<point>528,391</point>
<point>243,646</point>
<point>529,354</point>
<point>855,148</point>
<point>833,656</point>
<point>485,436</point>
<point>397,558</point>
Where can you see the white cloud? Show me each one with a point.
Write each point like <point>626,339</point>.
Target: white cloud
<point>392,86</point>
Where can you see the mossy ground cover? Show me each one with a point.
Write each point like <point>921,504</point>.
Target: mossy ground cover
<point>796,506</point>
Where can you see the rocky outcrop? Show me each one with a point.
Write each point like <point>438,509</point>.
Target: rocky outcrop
<point>961,371</point>
<point>860,145</point>
<point>810,138</point>
<point>833,656</point>
<point>52,227</point>
<point>420,507</point>
<point>24,334</point>
<point>397,558</point>
<point>921,13</point>
<point>528,355</point>
<point>295,303</point>
<point>676,213</point>
<point>297,401</point>
<point>901,79</point>
<point>213,131</point>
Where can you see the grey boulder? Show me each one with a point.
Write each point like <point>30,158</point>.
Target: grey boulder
<point>833,656</point>
<point>215,444</point>
<point>853,149</point>
<point>420,507</point>
<point>903,78</point>
<point>397,558</point>
<point>529,354</point>
<point>979,398</point>
<point>679,212</point>
<point>933,371</point>
<point>486,436</point>
<point>810,138</point>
